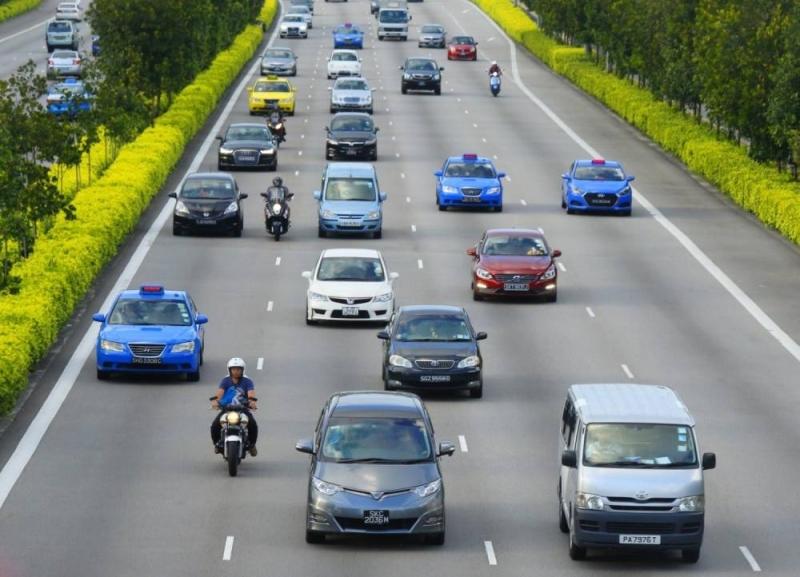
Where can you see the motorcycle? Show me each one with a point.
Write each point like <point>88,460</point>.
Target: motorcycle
<point>494,83</point>
<point>277,127</point>
<point>234,421</point>
<point>276,211</point>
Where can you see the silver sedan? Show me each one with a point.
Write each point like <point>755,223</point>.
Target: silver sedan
<point>64,63</point>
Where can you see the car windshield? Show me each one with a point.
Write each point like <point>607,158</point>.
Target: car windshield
<point>599,173</point>
<point>639,445</point>
<point>432,30</point>
<point>351,84</point>
<point>460,169</point>
<point>59,27</point>
<point>271,87</point>
<point>351,124</point>
<point>150,312</point>
<point>433,327</point>
<point>355,269</point>
<point>393,16</point>
<point>214,188</point>
<point>293,18</point>
<point>424,65</point>
<point>378,440</point>
<point>280,54</point>
<point>248,133</point>
<point>296,9</point>
<point>462,40</point>
<point>514,246</point>
<point>344,57</point>
<point>350,189</point>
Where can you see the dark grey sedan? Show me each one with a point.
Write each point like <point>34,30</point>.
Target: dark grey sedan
<point>280,61</point>
<point>247,145</point>
<point>432,36</point>
<point>375,469</point>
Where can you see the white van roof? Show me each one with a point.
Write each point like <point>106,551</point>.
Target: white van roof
<point>629,403</point>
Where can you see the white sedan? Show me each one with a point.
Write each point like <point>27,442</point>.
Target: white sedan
<point>293,26</point>
<point>68,11</point>
<point>349,285</point>
<point>344,63</point>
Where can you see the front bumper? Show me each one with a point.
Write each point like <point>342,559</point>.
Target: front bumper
<point>493,287</point>
<point>355,227</point>
<point>283,70</point>
<point>421,84</point>
<point>596,202</point>
<point>56,71</point>
<point>343,72</point>
<point>227,223</point>
<point>482,200</point>
<point>261,161</point>
<point>415,379</point>
<point>351,106</point>
<point>294,33</point>
<point>462,55</point>
<point>168,363</point>
<point>431,43</point>
<point>367,312</point>
<point>392,32</point>
<point>263,106</point>
<point>602,529</point>
<point>351,150</point>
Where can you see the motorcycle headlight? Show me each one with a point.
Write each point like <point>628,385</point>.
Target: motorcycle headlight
<point>223,150</point>
<point>180,208</point>
<point>549,273</point>
<point>267,151</point>
<point>625,191</point>
<point>469,362</point>
<point>428,489</point>
<point>695,504</point>
<point>232,208</point>
<point>233,417</point>
<point>483,273</point>
<point>317,296</point>
<point>374,215</point>
<point>325,488</point>
<point>588,501</point>
<point>447,189</point>
<point>276,208</point>
<point>111,346</point>
<point>398,361</point>
<point>187,347</point>
<point>493,190</point>
<point>384,298</point>
<point>328,214</point>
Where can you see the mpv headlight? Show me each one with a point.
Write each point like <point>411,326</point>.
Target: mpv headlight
<point>180,208</point>
<point>111,346</point>
<point>232,207</point>
<point>325,488</point>
<point>374,215</point>
<point>469,362</point>
<point>588,501</point>
<point>328,214</point>
<point>398,361</point>
<point>695,504</point>
<point>224,150</point>
<point>187,347</point>
<point>429,489</point>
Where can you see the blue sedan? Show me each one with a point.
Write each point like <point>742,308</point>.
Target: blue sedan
<point>151,330</point>
<point>348,36</point>
<point>68,98</point>
<point>469,180</point>
<point>596,185</point>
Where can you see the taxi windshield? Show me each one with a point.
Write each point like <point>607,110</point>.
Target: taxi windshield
<point>135,311</point>
<point>271,87</point>
<point>433,328</point>
<point>344,57</point>
<point>346,30</point>
<point>214,188</point>
<point>350,189</point>
<point>461,169</point>
<point>514,246</point>
<point>599,173</point>
<point>351,269</point>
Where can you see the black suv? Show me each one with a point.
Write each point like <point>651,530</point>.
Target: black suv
<point>208,201</point>
<point>421,74</point>
<point>351,135</point>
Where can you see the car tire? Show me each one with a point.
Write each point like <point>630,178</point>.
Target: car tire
<point>576,553</point>
<point>403,89</point>
<point>625,213</point>
<point>497,208</point>
<point>378,234</point>
<point>570,210</point>
<point>435,539</point>
<point>551,298</point>
<point>291,112</point>
<point>476,393</point>
<point>193,377</point>
<point>49,48</point>
<point>563,203</point>
<point>438,90</point>
<point>309,321</point>
<point>442,207</point>
<point>321,233</point>
<point>374,155</point>
<point>476,296</point>
<point>333,111</point>
<point>690,555</point>
<point>201,360</point>
<point>314,537</point>
<point>103,375</point>
<point>294,72</point>
<point>176,231</point>
<point>237,233</point>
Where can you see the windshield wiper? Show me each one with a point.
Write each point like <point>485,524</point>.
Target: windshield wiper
<point>371,460</point>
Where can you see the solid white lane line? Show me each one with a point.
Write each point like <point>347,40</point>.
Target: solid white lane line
<point>394,138</point>
<point>462,440</point>
<point>491,39</point>
<point>226,555</point>
<point>413,228</point>
<point>490,552</point>
<point>302,136</point>
<point>397,154</point>
<point>762,318</point>
<point>419,264</point>
<point>269,307</point>
<point>277,261</point>
<point>466,111</point>
<point>21,32</point>
<point>36,430</point>
<point>627,371</point>
<point>260,364</point>
<point>390,123</point>
<point>523,202</point>
<point>305,120</point>
<point>562,267</point>
<point>750,559</point>
<point>590,312</point>
<point>458,99</point>
<point>474,125</point>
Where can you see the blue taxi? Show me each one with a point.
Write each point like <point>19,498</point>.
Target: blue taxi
<point>151,330</point>
<point>348,36</point>
<point>469,180</point>
<point>596,185</point>
<point>68,98</point>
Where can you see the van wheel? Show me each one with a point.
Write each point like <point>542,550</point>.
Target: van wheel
<point>562,519</point>
<point>576,553</point>
<point>690,555</point>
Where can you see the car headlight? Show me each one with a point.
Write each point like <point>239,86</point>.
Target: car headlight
<point>328,214</point>
<point>267,151</point>
<point>232,208</point>
<point>371,141</point>
<point>428,489</point>
<point>333,141</point>
<point>589,501</point>
<point>374,215</point>
<point>187,347</point>
<point>436,76</point>
<point>316,296</point>
<point>276,208</point>
<point>625,191</point>
<point>577,190</point>
<point>406,76</point>
<point>384,298</point>
<point>493,190</point>
<point>224,150</point>
<point>286,100</point>
<point>180,208</point>
<point>111,346</point>
<point>469,362</point>
<point>325,488</point>
<point>398,361</point>
<point>447,189</point>
<point>483,273</point>
<point>549,273</point>
<point>695,504</point>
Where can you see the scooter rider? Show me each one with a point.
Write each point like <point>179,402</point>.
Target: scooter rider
<point>495,67</point>
<point>243,392</point>
<point>278,192</point>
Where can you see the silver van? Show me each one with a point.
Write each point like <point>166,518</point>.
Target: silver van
<point>631,471</point>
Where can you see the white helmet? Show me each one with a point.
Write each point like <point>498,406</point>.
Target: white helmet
<point>494,62</point>
<point>236,362</point>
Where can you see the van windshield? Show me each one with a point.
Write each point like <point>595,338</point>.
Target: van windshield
<point>639,445</point>
<point>394,16</point>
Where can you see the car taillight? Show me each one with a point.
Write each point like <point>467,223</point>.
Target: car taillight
<point>50,62</point>
<point>76,61</point>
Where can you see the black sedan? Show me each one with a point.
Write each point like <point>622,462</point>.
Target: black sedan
<point>421,74</point>
<point>352,135</point>
<point>429,348</point>
<point>208,201</point>
<point>247,145</point>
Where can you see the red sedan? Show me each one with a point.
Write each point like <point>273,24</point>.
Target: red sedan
<point>514,262</point>
<point>462,48</point>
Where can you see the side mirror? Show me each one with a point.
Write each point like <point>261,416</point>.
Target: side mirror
<point>441,68</point>
<point>446,448</point>
<point>383,335</point>
<point>372,89</point>
<point>501,175</point>
<point>382,196</point>
<point>481,336</point>
<point>394,275</point>
<point>327,129</point>
<point>438,174</point>
<point>306,274</point>
<point>569,459</point>
<point>99,317</point>
<point>400,68</point>
<point>556,253</point>
<point>173,195</point>
<point>709,461</point>
<point>305,446</point>
<point>219,137</point>
<point>318,195</point>
<point>243,196</point>
<point>201,319</point>
<point>377,129</point>
<point>472,251</point>
<point>630,178</point>
<point>565,176</point>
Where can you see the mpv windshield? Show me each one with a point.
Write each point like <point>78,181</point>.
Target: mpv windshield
<point>350,189</point>
<point>639,445</point>
<point>376,440</point>
<point>197,188</point>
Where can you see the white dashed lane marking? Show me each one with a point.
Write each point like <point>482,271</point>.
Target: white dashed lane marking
<point>419,264</point>
<point>226,554</point>
<point>590,312</point>
<point>260,363</point>
<point>277,261</point>
<point>627,371</point>
<point>562,267</point>
<point>269,307</point>
<point>523,202</point>
<point>462,440</point>
<point>413,228</point>
<point>750,559</point>
<point>490,553</point>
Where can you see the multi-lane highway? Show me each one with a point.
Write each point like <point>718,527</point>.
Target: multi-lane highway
<point>124,482</point>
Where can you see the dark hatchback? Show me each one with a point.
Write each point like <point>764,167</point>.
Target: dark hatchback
<point>247,145</point>
<point>432,348</point>
<point>352,135</point>
<point>421,74</point>
<point>208,201</point>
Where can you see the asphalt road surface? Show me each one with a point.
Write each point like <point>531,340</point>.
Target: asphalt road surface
<point>124,481</point>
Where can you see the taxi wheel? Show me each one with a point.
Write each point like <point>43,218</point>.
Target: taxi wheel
<point>563,203</point>
<point>570,210</point>
<point>403,89</point>
<point>551,298</point>
<point>321,233</point>
<point>477,296</point>
<point>103,375</point>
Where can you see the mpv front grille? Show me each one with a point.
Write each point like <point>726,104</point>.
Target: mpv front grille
<point>145,350</point>
<point>348,523</point>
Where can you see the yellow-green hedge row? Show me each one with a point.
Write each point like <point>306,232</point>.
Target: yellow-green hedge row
<point>68,258</point>
<point>17,7</point>
<point>772,196</point>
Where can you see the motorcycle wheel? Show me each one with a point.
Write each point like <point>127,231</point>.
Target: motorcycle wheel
<point>232,453</point>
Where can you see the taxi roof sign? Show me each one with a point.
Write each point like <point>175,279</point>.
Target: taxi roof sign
<point>151,289</point>
<point>598,161</point>
<point>470,156</point>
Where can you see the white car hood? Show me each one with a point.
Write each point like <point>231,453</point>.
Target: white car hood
<point>350,289</point>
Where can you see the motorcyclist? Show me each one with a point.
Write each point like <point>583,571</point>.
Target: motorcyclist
<point>276,124</point>
<point>495,67</point>
<point>243,394</point>
<point>278,192</point>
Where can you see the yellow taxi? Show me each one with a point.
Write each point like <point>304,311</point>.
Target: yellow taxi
<point>270,91</point>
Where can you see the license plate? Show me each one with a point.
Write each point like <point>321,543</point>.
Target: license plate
<point>206,221</point>
<point>422,83</point>
<point>516,286</point>
<point>472,199</point>
<point>349,311</point>
<point>376,518</point>
<point>640,539</point>
<point>351,152</point>
<point>434,378</point>
<point>349,223</point>
<point>146,361</point>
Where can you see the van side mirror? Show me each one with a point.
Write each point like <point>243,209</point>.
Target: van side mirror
<point>383,335</point>
<point>173,195</point>
<point>446,448</point>
<point>569,459</point>
<point>709,461</point>
<point>382,196</point>
<point>305,446</point>
<point>481,336</point>
<point>99,317</point>
<point>201,319</point>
